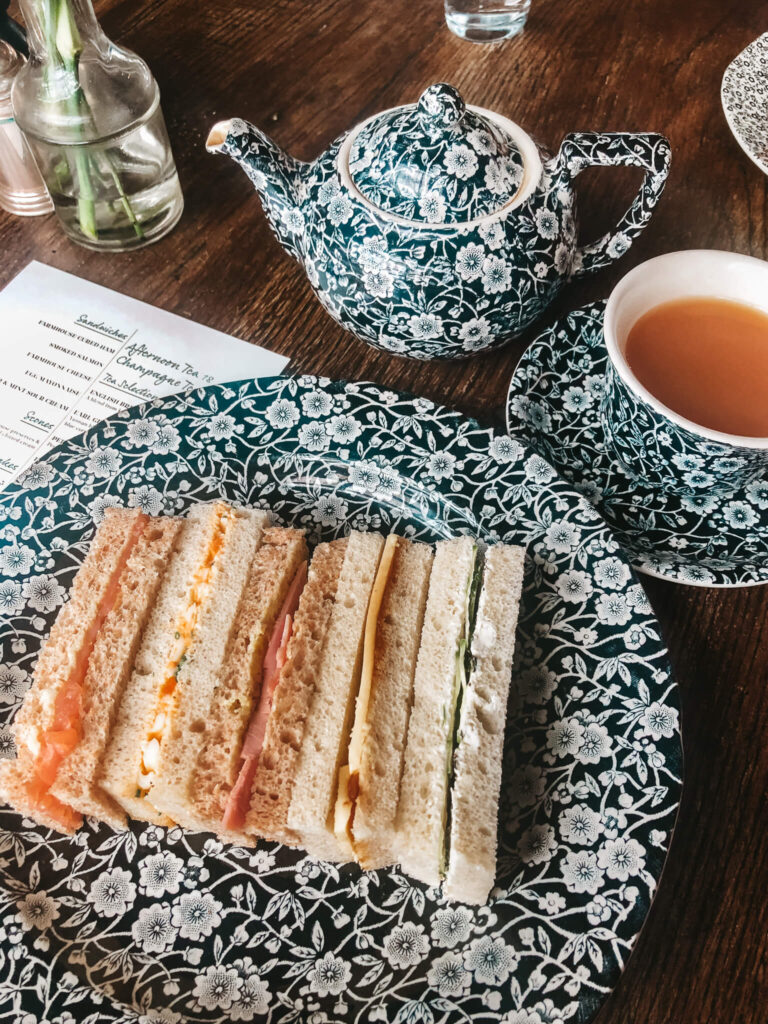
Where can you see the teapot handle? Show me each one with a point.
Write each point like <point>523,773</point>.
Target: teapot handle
<point>612,149</point>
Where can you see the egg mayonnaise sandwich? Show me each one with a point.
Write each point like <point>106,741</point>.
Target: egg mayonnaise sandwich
<point>187,638</point>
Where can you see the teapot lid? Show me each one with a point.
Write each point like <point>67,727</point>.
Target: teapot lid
<point>438,161</point>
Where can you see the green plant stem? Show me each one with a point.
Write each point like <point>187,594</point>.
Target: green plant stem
<point>125,201</point>
<point>86,208</point>
<point>58,21</point>
<point>86,204</point>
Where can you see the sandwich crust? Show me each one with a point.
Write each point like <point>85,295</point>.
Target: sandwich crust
<point>66,645</point>
<point>109,668</point>
<point>278,762</point>
<point>14,790</point>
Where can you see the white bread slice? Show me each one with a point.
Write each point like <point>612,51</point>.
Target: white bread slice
<point>477,764</point>
<point>277,559</point>
<point>398,632</point>
<point>66,646</point>
<point>109,669</point>
<point>122,761</point>
<point>422,809</point>
<point>279,758</point>
<point>328,724</point>
<point>197,678</point>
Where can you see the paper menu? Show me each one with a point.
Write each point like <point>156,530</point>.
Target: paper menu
<point>73,352</point>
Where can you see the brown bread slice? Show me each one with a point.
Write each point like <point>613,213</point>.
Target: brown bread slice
<point>109,669</point>
<point>275,564</point>
<point>278,763</point>
<point>64,646</point>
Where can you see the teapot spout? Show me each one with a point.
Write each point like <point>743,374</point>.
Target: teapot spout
<point>275,174</point>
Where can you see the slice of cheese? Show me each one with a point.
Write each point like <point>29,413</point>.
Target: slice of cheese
<point>344,812</point>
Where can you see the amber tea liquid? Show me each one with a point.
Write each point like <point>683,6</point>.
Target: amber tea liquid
<point>706,359</point>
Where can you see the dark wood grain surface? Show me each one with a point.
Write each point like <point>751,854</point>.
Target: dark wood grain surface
<point>307,71</point>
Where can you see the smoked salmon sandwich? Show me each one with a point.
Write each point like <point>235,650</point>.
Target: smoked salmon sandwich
<point>62,728</point>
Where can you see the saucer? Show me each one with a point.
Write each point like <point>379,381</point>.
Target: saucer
<point>554,405</point>
<point>744,95</point>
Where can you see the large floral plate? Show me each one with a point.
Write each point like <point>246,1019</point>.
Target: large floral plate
<point>554,405</point>
<point>744,95</point>
<point>172,927</point>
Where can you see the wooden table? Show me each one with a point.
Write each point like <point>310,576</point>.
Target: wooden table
<point>307,71</point>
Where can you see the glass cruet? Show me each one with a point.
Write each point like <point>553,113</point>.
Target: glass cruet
<point>90,111</point>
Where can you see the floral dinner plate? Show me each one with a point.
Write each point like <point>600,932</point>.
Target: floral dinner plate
<point>173,927</point>
<point>744,95</point>
<point>554,405</point>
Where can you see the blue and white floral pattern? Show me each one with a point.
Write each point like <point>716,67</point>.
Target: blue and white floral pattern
<point>744,95</point>
<point>700,536</point>
<point>436,157</point>
<point>425,287</point>
<point>656,452</point>
<point>173,927</point>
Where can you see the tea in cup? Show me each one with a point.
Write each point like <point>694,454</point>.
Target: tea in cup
<point>686,398</point>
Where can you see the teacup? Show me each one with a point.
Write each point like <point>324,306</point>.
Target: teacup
<point>654,443</point>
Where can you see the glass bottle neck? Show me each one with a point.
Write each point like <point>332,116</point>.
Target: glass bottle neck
<point>58,30</point>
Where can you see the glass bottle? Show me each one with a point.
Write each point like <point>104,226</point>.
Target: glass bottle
<point>91,113</point>
<point>22,190</point>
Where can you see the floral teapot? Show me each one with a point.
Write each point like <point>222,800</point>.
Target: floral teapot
<point>436,230</point>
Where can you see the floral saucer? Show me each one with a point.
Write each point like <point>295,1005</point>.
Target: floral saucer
<point>744,95</point>
<point>149,925</point>
<point>554,405</point>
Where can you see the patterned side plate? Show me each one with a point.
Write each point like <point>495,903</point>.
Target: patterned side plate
<point>172,927</point>
<point>554,405</point>
<point>744,95</point>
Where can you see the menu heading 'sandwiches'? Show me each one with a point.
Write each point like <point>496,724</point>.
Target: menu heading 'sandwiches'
<point>74,353</point>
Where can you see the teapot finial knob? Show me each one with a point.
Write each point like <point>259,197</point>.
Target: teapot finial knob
<point>442,105</point>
